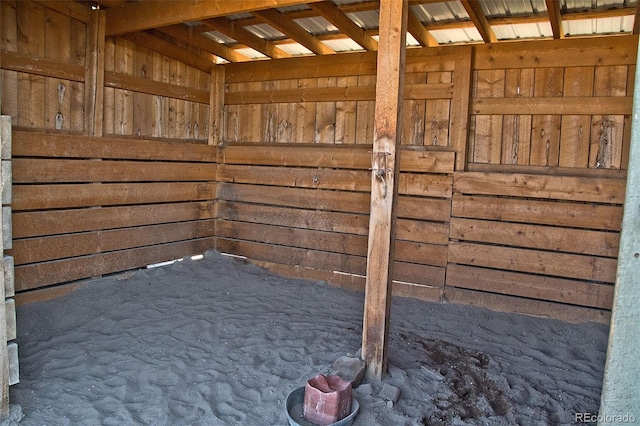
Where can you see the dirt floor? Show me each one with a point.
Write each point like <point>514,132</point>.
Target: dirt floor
<point>219,341</point>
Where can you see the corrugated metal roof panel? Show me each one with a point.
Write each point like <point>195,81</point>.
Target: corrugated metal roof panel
<point>265,31</point>
<point>219,37</point>
<point>367,20</point>
<point>523,31</point>
<point>295,49</point>
<point>343,45</point>
<point>317,25</point>
<point>503,8</point>
<point>579,5</point>
<point>462,35</point>
<point>599,26</point>
<point>251,53</point>
<point>440,12</point>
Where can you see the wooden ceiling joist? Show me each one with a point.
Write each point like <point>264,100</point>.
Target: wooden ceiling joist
<point>246,37</point>
<point>293,31</point>
<point>419,32</point>
<point>553,9</point>
<point>334,15</point>
<point>142,15</point>
<point>478,18</point>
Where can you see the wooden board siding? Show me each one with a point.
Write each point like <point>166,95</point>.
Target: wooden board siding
<point>307,206</point>
<point>550,105</point>
<point>549,238</point>
<point>86,206</point>
<point>145,93</point>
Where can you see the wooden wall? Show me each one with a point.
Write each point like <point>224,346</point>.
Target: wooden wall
<point>525,217</point>
<point>84,205</point>
<point>512,171</point>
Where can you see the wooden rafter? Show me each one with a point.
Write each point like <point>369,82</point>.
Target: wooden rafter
<point>479,20</point>
<point>636,21</point>
<point>142,15</point>
<point>553,9</point>
<point>294,31</point>
<point>333,14</point>
<point>419,32</point>
<point>246,37</point>
<point>187,35</point>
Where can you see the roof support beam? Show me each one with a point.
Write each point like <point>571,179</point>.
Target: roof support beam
<point>333,14</point>
<point>142,15</point>
<point>419,32</point>
<point>294,31</point>
<point>476,14</point>
<point>622,371</point>
<point>553,9</point>
<point>239,33</point>
<point>384,191</point>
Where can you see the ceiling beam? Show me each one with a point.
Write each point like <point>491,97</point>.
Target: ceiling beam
<point>553,9</point>
<point>194,38</point>
<point>246,37</point>
<point>476,14</point>
<point>294,31</point>
<point>331,12</point>
<point>419,32</point>
<point>636,21</point>
<point>141,15</point>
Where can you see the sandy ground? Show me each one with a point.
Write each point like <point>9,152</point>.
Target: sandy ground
<point>222,342</point>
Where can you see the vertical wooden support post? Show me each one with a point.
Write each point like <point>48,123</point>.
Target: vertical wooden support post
<point>216,105</point>
<point>94,74</point>
<point>5,150</point>
<point>460,104</point>
<point>620,395</point>
<point>384,191</point>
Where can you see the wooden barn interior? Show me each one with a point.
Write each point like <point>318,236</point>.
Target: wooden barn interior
<point>482,159</point>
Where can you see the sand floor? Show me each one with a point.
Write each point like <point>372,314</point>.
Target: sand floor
<point>219,341</point>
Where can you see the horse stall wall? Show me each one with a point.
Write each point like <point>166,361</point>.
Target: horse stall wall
<point>87,205</point>
<point>516,199</point>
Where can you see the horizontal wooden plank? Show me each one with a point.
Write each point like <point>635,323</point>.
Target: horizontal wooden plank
<point>298,177</point>
<point>435,210</point>
<point>571,292</point>
<point>520,305</point>
<point>546,170</point>
<point>59,271</point>
<point>417,291</point>
<point>346,180</point>
<point>576,215</point>
<point>37,170</point>
<point>611,191</point>
<point>421,253</point>
<point>61,145</point>
<point>29,65</point>
<point>349,244</point>
<point>42,223</point>
<point>534,261</point>
<point>298,257</point>
<point>352,64</point>
<point>592,51</point>
<point>158,88</point>
<point>298,218</point>
<point>421,231</point>
<point>325,261</point>
<point>569,240</point>
<point>414,160</point>
<point>336,157</point>
<point>40,249</point>
<point>316,199</point>
<point>47,197</point>
<point>610,105</point>
<point>334,94</point>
